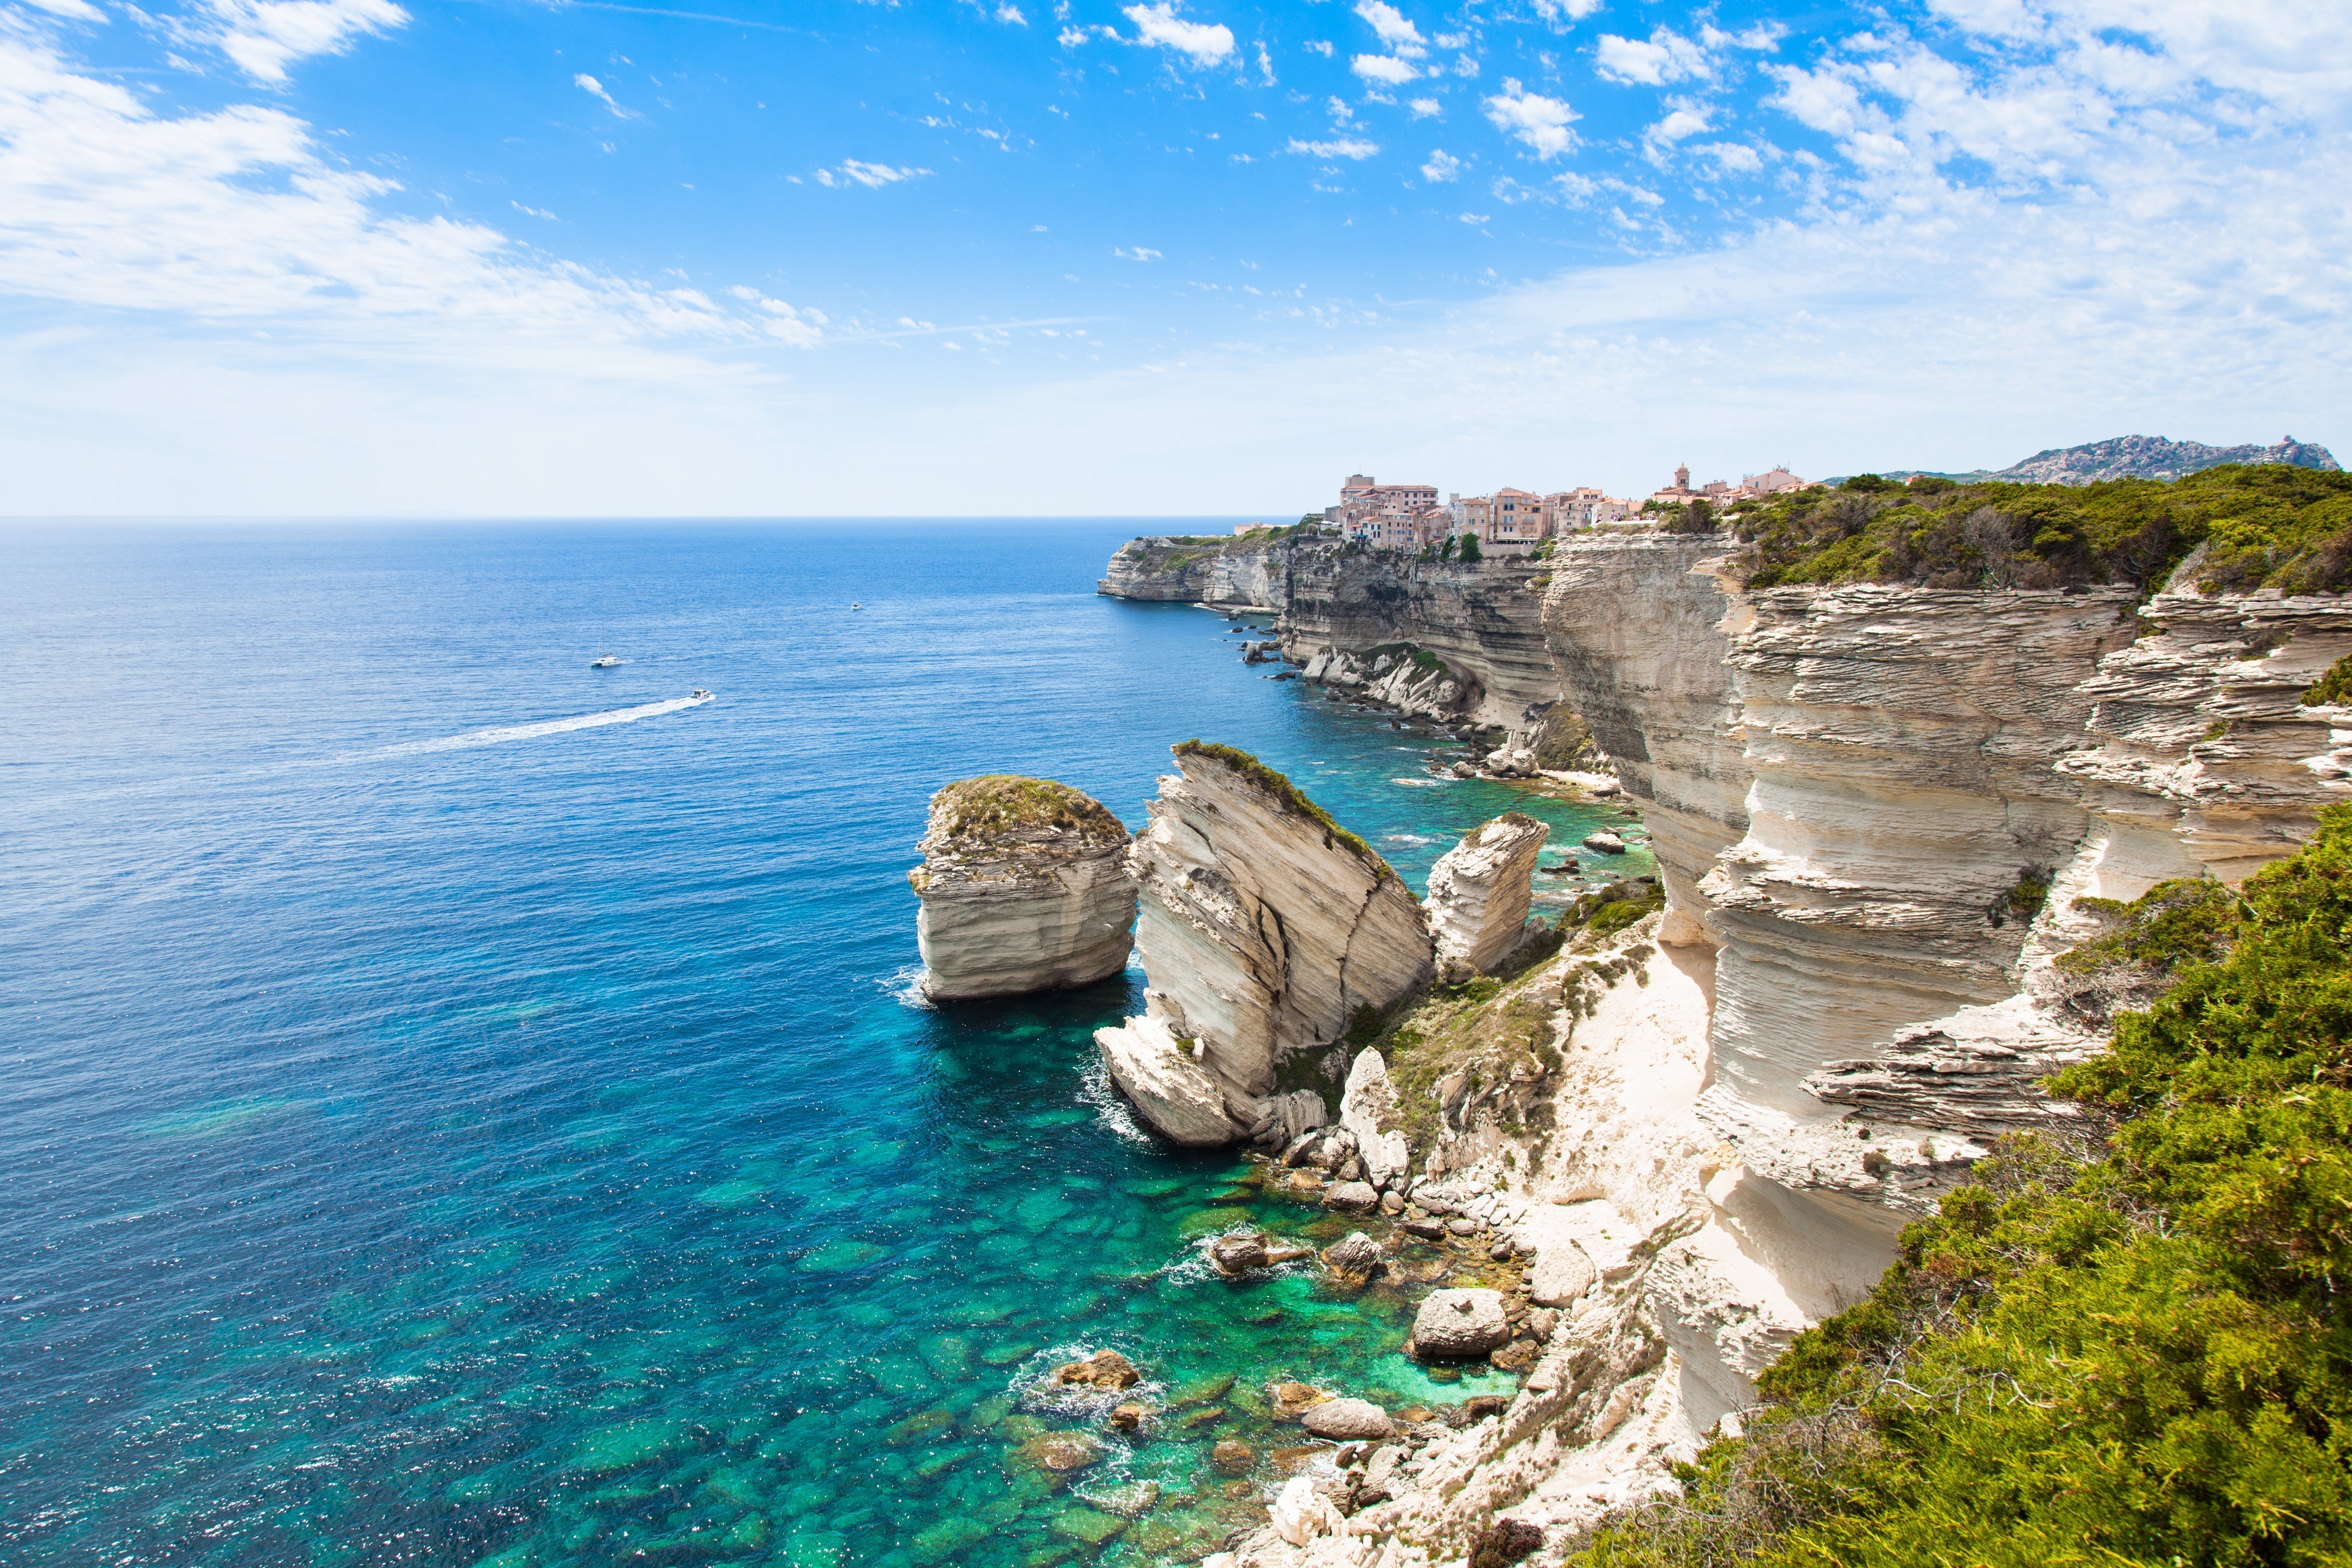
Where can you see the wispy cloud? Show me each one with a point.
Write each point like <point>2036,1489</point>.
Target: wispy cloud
<point>1140,253</point>
<point>595,89</point>
<point>873,176</point>
<point>1353,147</point>
<point>1666,56</point>
<point>265,37</point>
<point>1441,166</point>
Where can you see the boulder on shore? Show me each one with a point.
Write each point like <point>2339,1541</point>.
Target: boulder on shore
<point>1023,888</point>
<point>1454,1325</point>
<point>1347,1420</point>
<point>1266,929</point>
<point>1605,841</point>
<point>1481,889</point>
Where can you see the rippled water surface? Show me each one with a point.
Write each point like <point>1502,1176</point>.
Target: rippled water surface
<point>465,1107</point>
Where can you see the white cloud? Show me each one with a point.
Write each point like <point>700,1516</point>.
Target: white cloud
<point>1382,69</point>
<point>1666,56</point>
<point>1538,121</point>
<point>1140,253</point>
<point>1765,36</point>
<point>1441,166</point>
<point>1204,44</point>
<point>1475,218</point>
<point>1010,15</point>
<point>265,37</point>
<point>1556,11</point>
<point>1731,157</point>
<point>1344,147</point>
<point>1321,46</point>
<point>73,10</point>
<point>1683,124</point>
<point>1397,34</point>
<point>594,89</point>
<point>533,212</point>
<point>873,176</point>
<point>1423,108</point>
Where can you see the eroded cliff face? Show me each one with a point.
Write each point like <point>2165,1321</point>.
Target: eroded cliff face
<point>1265,931</point>
<point>1249,572</point>
<point>1483,620</point>
<point>1639,629</point>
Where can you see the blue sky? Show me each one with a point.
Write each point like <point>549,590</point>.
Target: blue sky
<point>484,257</point>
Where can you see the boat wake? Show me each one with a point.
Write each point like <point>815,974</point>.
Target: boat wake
<point>503,733</point>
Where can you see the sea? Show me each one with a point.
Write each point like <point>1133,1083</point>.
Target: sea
<point>465,1107</point>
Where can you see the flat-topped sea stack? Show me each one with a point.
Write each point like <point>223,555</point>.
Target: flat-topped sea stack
<point>1481,889</point>
<point>1267,931</point>
<point>1024,886</point>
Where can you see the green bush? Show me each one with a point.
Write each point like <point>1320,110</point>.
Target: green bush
<point>2335,686</point>
<point>2119,1348</point>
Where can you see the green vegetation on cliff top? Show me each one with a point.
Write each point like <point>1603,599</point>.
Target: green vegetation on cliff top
<point>994,804</point>
<point>2125,1346</point>
<point>1285,794</point>
<point>2272,526</point>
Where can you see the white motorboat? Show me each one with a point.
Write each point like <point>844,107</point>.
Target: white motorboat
<point>607,662</point>
<point>701,694</point>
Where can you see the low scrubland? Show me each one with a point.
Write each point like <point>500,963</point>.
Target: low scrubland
<point>2269,526</point>
<point>2125,1344</point>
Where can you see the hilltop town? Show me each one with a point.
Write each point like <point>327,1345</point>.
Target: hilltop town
<point>1514,522</point>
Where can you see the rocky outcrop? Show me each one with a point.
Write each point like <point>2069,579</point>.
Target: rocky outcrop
<point>2153,457</point>
<point>1481,889</point>
<point>1268,931</point>
<point>1251,572</point>
<point>1022,888</point>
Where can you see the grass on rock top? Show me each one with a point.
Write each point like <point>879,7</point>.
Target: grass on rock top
<point>1286,795</point>
<point>998,804</point>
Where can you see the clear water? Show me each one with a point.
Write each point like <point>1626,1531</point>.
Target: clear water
<point>464,1107</point>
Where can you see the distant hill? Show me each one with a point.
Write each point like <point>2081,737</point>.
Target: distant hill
<point>2132,457</point>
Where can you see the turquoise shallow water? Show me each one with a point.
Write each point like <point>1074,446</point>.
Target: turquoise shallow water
<point>464,1107</point>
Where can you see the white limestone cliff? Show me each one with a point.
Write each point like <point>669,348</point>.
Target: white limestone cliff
<point>1267,932</point>
<point>1022,888</point>
<point>1481,889</point>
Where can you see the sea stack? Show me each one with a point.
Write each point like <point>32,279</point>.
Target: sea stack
<point>1480,892</point>
<point>1024,886</point>
<point>1267,929</point>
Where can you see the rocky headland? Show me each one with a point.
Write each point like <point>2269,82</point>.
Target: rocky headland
<point>1022,888</point>
<point>1881,810</point>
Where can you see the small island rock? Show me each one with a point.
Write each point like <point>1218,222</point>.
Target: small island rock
<point>1105,1369</point>
<point>1024,886</point>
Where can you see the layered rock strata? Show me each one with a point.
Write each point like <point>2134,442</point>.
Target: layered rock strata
<point>1481,889</point>
<point>1482,621</point>
<point>1251,573</point>
<point>1639,626</point>
<point>1024,886</point>
<point>1266,931</point>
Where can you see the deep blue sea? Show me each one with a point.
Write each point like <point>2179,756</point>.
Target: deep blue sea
<point>463,1106</point>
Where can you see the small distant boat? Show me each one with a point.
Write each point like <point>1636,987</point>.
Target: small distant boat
<point>607,662</point>
<point>701,693</point>
<point>855,605</point>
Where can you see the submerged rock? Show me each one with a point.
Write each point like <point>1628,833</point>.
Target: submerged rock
<point>1480,891</point>
<point>1267,931</point>
<point>1024,886</point>
<point>1105,1369</point>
